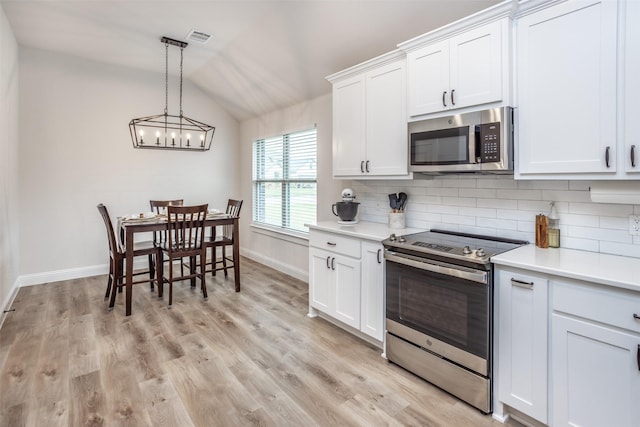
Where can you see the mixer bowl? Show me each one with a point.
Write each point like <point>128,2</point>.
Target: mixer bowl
<point>346,211</point>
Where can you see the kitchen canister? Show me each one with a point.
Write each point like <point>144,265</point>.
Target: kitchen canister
<point>397,220</point>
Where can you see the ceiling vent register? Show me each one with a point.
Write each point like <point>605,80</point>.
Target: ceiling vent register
<point>167,131</point>
<point>198,36</point>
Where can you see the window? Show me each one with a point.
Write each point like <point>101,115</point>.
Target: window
<point>284,180</point>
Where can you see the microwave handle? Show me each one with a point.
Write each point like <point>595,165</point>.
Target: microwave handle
<point>474,142</point>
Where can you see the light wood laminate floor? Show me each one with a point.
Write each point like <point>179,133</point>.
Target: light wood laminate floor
<point>249,358</point>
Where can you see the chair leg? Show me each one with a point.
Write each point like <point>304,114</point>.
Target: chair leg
<point>159,272</point>
<point>110,279</point>
<point>171,282</point>
<point>203,274</point>
<point>224,261</point>
<point>152,271</point>
<point>118,282</point>
<point>214,260</point>
<point>192,270</point>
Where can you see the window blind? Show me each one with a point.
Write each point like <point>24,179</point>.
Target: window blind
<point>285,180</point>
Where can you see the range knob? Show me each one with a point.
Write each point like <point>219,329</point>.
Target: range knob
<point>480,252</point>
<point>466,250</point>
<point>392,237</point>
<point>402,239</point>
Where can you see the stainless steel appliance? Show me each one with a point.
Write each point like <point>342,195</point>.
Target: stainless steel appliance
<point>480,141</point>
<point>439,309</point>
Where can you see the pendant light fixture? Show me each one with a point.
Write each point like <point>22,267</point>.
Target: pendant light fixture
<point>170,132</point>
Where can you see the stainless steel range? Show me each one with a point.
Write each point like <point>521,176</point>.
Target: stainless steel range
<point>439,310</point>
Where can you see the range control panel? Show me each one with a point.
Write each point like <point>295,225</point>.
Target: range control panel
<point>489,143</point>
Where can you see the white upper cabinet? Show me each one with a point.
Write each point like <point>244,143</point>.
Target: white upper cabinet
<point>631,93</point>
<point>369,119</point>
<point>458,72</point>
<point>566,91</point>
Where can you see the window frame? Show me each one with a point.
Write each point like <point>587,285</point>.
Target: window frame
<point>258,166</point>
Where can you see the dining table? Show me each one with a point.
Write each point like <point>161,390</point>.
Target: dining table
<point>130,226</point>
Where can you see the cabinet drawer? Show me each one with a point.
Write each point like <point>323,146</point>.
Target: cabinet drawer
<point>335,243</point>
<point>611,306</point>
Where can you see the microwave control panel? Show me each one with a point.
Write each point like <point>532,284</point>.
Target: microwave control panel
<point>489,143</point>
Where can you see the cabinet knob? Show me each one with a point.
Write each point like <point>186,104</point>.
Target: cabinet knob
<point>366,166</point>
<point>378,256</point>
<point>452,101</point>
<point>328,258</point>
<point>444,102</point>
<point>331,244</point>
<point>633,156</point>
<point>606,156</point>
<point>333,263</point>
<point>362,166</point>
<point>636,316</point>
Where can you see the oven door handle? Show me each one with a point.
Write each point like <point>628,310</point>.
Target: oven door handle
<point>460,272</point>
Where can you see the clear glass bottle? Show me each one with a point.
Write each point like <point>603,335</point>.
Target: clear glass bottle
<point>554,227</point>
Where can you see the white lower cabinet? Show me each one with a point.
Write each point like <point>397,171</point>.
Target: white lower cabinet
<point>568,350</point>
<point>595,362</point>
<point>522,331</point>
<point>346,281</point>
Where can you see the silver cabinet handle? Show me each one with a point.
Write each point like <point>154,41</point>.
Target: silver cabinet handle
<point>328,265</point>
<point>362,166</point>
<point>333,263</point>
<point>378,256</point>
<point>452,101</point>
<point>366,166</point>
<point>444,102</point>
<point>606,156</point>
<point>521,284</point>
<point>331,244</point>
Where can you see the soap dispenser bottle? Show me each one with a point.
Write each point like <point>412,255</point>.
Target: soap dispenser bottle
<point>554,227</point>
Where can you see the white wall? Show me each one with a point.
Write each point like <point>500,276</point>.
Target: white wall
<point>501,206</point>
<point>75,152</point>
<point>290,255</point>
<point>9,245</point>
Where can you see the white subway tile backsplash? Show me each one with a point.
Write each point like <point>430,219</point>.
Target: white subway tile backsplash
<point>501,206</point>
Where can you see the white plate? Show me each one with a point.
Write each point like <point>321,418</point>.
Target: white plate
<point>214,211</point>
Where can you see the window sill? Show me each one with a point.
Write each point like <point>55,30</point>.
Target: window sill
<point>298,238</point>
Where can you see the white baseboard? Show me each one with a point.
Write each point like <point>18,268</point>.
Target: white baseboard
<point>280,266</point>
<point>58,275</point>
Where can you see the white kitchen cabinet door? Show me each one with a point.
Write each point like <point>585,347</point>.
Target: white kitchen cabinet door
<point>321,280</point>
<point>566,89</point>
<point>347,290</point>
<point>372,310</point>
<point>462,71</point>
<point>428,79</point>
<point>631,91</point>
<point>386,128</point>
<point>476,66</point>
<point>349,123</point>
<point>596,377</point>
<point>522,343</point>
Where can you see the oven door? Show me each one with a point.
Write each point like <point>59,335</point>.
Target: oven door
<point>441,307</point>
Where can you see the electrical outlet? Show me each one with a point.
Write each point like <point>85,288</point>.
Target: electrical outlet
<point>634,225</point>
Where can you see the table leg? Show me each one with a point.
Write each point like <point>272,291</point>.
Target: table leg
<point>236,254</point>
<point>129,267</point>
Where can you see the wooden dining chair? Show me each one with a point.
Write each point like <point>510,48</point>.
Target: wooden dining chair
<point>159,207</point>
<point>185,239</point>
<point>223,240</point>
<point>117,258</point>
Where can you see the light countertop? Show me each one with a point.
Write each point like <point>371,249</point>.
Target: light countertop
<point>363,229</point>
<point>605,269</point>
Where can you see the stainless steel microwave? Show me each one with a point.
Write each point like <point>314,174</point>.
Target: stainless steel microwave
<point>480,141</point>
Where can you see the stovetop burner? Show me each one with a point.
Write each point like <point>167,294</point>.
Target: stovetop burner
<point>463,246</point>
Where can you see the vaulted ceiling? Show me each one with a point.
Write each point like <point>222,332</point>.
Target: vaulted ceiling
<point>263,55</point>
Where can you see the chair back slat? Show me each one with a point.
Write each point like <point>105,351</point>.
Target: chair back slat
<point>233,209</point>
<point>159,207</point>
<point>185,230</point>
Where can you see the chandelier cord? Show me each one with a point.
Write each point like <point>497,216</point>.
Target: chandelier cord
<point>166,79</point>
<point>181,49</point>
